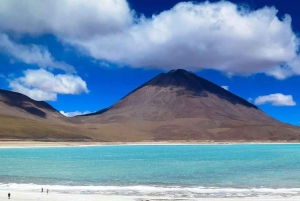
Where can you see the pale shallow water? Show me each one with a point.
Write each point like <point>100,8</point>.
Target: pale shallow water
<point>177,170</point>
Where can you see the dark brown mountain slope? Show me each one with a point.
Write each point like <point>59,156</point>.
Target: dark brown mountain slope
<point>24,118</point>
<point>179,105</point>
<point>19,105</point>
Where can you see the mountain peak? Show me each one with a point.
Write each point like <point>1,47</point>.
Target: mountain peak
<point>173,77</point>
<point>198,86</point>
<point>177,71</point>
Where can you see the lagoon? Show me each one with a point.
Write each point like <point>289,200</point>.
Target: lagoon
<point>235,170</point>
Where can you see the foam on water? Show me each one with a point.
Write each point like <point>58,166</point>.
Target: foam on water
<point>170,191</point>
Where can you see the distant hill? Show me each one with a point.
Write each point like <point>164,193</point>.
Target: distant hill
<point>173,106</point>
<point>179,105</point>
<point>24,118</point>
<point>19,105</point>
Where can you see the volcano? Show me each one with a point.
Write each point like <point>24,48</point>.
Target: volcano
<point>180,105</point>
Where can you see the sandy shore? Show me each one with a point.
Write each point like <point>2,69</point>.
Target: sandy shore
<point>17,143</point>
<point>26,196</point>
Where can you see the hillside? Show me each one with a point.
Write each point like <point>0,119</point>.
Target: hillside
<point>173,106</point>
<point>19,105</point>
<point>179,105</point>
<point>24,118</point>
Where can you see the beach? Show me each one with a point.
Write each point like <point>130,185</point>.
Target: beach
<point>29,143</point>
<point>32,196</point>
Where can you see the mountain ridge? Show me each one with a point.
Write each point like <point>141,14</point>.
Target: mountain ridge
<point>173,106</point>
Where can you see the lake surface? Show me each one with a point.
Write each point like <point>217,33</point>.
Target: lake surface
<point>173,170</point>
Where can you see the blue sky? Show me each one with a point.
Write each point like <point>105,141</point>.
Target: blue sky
<point>86,55</point>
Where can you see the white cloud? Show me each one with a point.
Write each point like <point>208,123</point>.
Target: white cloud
<point>65,18</point>
<point>72,114</point>
<point>31,54</point>
<point>43,85</point>
<point>286,70</point>
<point>250,100</point>
<point>221,35</point>
<point>277,99</point>
<point>218,36</point>
<point>225,87</point>
<point>33,93</point>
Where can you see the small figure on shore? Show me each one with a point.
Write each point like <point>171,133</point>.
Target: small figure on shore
<point>47,191</point>
<point>8,195</point>
<point>42,190</point>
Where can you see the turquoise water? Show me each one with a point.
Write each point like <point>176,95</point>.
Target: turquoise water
<point>184,169</point>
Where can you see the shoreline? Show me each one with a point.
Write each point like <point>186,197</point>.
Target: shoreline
<point>53,196</point>
<point>42,144</point>
<point>135,193</point>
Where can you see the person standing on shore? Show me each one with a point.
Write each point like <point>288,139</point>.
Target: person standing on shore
<point>42,190</point>
<point>8,195</point>
<point>47,191</point>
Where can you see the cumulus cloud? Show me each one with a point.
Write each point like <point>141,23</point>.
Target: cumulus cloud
<point>33,93</point>
<point>65,18</point>
<point>72,114</point>
<point>286,70</point>
<point>43,85</point>
<point>277,99</point>
<point>31,54</point>
<point>221,36</point>
<point>225,87</point>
